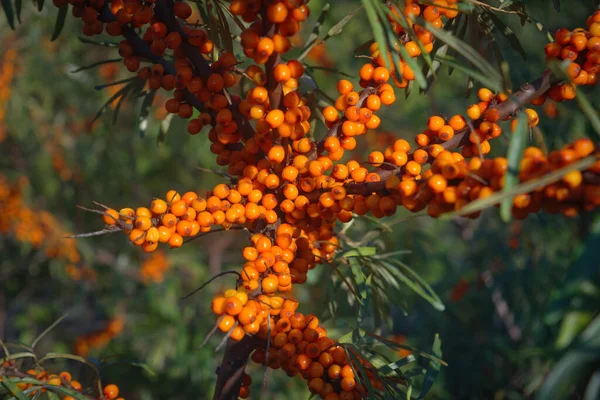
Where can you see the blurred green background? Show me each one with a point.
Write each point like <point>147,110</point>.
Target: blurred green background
<point>521,298</point>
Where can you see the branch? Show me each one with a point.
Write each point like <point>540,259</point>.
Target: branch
<point>525,95</point>
<point>231,371</point>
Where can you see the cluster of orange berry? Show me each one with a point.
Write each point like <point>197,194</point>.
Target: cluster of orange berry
<point>581,46</point>
<point>7,72</point>
<point>288,193</point>
<point>64,379</point>
<point>299,346</point>
<point>154,267</point>
<point>99,339</point>
<point>38,227</point>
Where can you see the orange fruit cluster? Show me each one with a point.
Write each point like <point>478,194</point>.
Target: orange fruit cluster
<point>38,228</point>
<point>63,379</point>
<point>7,72</point>
<point>299,346</point>
<point>581,46</point>
<point>99,339</point>
<point>291,190</point>
<point>154,267</point>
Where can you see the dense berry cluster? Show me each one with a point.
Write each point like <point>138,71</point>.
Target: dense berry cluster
<point>52,383</point>
<point>38,228</point>
<point>85,344</point>
<point>581,46</point>
<point>290,189</point>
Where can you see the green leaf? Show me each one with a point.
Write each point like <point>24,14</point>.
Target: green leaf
<point>85,40</point>
<point>592,391</point>
<point>8,11</point>
<point>508,33</point>
<point>433,368</point>
<point>96,64</point>
<point>60,22</point>
<point>360,252</point>
<point>145,111</point>
<point>314,35</point>
<point>18,8</point>
<point>574,366</point>
<point>465,50</point>
<point>410,278</point>
<point>572,324</point>
<point>339,26</point>
<point>52,396</point>
<point>396,365</point>
<point>163,129</point>
<point>12,388</point>
<point>224,28</point>
<point>353,337</point>
<point>494,85</point>
<point>588,110</point>
<point>516,147</point>
<point>376,26</point>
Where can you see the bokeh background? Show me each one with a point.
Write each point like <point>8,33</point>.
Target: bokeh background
<point>518,295</point>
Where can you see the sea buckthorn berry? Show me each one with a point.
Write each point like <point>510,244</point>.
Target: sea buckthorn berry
<point>446,132</point>
<point>158,206</point>
<point>296,68</point>
<point>474,111</point>
<point>110,217</point>
<point>344,87</point>
<point>435,123</point>
<point>111,391</point>
<point>376,158</point>
<point>282,73</point>
<point>381,75</point>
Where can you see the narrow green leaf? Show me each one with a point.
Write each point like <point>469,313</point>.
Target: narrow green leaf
<point>494,85</point>
<point>396,365</point>
<point>588,110</point>
<point>60,22</point>
<point>353,337</point>
<point>508,33</point>
<point>465,50</point>
<point>96,64</point>
<point>518,140</point>
<point>48,329</point>
<point>18,8</point>
<point>12,388</point>
<point>410,278</point>
<point>145,111</point>
<point>377,28</point>
<point>163,129</point>
<point>314,35</point>
<point>8,11</point>
<point>52,396</point>
<point>339,26</point>
<point>592,391</point>
<point>224,28</point>
<point>433,368</point>
<point>360,252</point>
<point>85,40</point>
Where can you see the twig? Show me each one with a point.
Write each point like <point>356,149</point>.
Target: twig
<point>210,280</point>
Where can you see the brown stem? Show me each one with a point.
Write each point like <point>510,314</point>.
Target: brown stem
<point>231,371</point>
<point>525,95</point>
